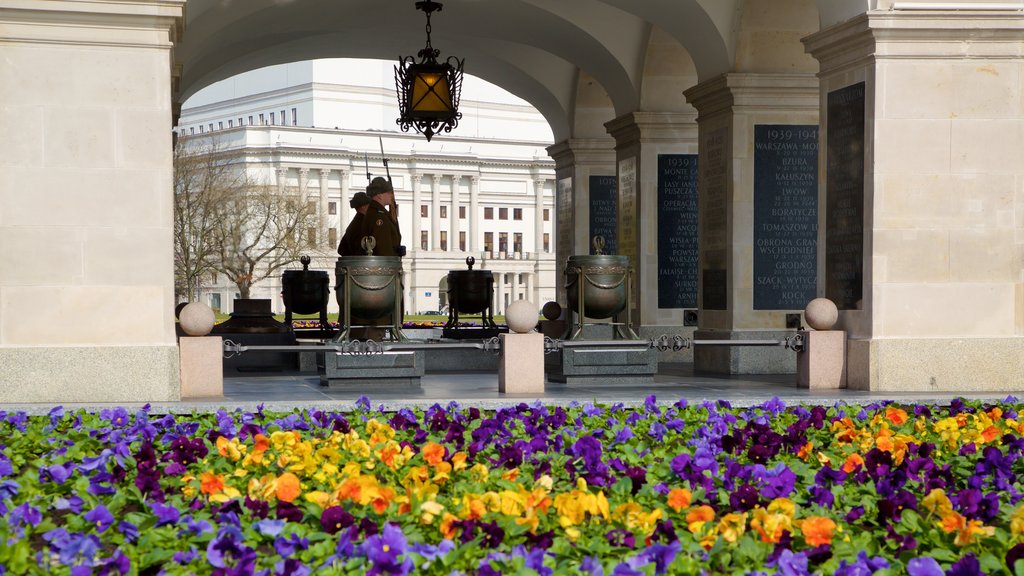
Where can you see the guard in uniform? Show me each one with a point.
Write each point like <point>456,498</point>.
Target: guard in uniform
<point>381,223</point>
<point>350,244</point>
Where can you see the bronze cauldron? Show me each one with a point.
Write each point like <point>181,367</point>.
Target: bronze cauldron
<point>375,283</point>
<point>470,292</point>
<point>603,281</point>
<point>306,292</point>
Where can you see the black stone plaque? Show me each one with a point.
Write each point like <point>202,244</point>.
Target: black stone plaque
<point>785,216</point>
<point>844,204</point>
<point>677,231</point>
<point>604,213</point>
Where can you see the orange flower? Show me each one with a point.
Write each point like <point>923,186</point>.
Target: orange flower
<point>262,443</point>
<point>805,451</point>
<point>991,433</point>
<point>884,443</point>
<point>288,487</point>
<point>211,483</point>
<point>967,533</point>
<point>852,462</point>
<point>679,498</point>
<point>433,453</point>
<point>699,516</point>
<point>383,500</point>
<point>818,530</point>
<point>896,415</point>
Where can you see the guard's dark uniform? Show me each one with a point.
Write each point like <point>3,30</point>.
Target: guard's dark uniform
<point>351,241</point>
<point>378,223</point>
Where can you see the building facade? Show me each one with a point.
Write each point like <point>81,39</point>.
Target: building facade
<point>486,191</point>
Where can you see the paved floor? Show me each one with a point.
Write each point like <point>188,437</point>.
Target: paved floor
<point>480,389</point>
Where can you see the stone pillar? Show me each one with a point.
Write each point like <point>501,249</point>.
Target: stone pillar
<point>640,137</point>
<point>345,212</point>
<point>576,162</point>
<point>86,268</point>
<point>922,228</point>
<point>513,286</point>
<point>474,209</point>
<point>758,164</point>
<point>453,215</point>
<point>435,214</point>
<point>411,303</point>
<point>538,218</point>
<point>325,217</point>
<point>499,292</point>
<point>417,222</point>
<point>303,182</point>
<point>282,178</point>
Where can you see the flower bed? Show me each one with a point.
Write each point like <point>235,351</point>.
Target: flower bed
<point>527,489</point>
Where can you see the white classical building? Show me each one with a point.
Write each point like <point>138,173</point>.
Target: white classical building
<point>318,127</point>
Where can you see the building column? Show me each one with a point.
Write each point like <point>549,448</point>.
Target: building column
<point>513,286</point>
<point>578,162</point>
<point>79,322</point>
<point>922,226</point>
<point>435,214</point>
<point>453,215</point>
<point>499,292</point>
<point>417,221</point>
<point>538,219</point>
<point>758,215</point>
<point>325,217</point>
<point>474,209</point>
<point>303,182</point>
<point>282,178</point>
<point>642,139</point>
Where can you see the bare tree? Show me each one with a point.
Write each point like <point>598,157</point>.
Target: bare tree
<point>262,230</point>
<point>203,180</point>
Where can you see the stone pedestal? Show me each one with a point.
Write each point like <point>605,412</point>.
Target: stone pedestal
<point>822,362</point>
<point>596,366</point>
<point>389,372</point>
<point>202,359</point>
<point>725,359</point>
<point>521,368</point>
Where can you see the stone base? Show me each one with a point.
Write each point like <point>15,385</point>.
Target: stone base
<point>595,366</point>
<point>936,364</point>
<point>90,374</point>
<point>258,361</point>
<point>202,370</point>
<point>521,369</point>
<point>461,360</point>
<point>822,362</point>
<point>743,359</point>
<point>472,333</point>
<point>373,373</point>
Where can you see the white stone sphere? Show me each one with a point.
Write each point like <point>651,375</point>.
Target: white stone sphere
<point>521,316</point>
<point>821,314</point>
<point>196,319</point>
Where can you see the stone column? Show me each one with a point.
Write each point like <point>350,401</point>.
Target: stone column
<point>86,108</point>
<point>282,178</point>
<point>345,212</point>
<point>921,230</point>
<point>474,209</point>
<point>417,200</point>
<point>758,206</point>
<point>453,215</point>
<point>499,292</point>
<point>325,218</point>
<point>513,286</point>
<point>303,182</point>
<point>576,162</point>
<point>435,214</point>
<point>538,219</point>
<point>640,138</point>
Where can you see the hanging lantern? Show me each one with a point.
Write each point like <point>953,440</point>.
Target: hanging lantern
<point>428,90</point>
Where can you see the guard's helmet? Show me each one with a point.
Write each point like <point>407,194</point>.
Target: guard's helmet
<point>379,186</point>
<point>359,199</point>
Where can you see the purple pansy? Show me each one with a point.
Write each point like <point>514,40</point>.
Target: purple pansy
<point>101,517</point>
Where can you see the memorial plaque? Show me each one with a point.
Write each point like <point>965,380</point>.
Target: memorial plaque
<point>785,216</point>
<point>677,231</point>
<point>604,211</point>
<point>844,204</point>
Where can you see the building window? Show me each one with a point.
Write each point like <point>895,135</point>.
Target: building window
<point>211,126</point>
<point>462,241</point>
<point>502,213</point>
<point>250,120</point>
<point>284,121</point>
<point>201,129</point>
<point>240,121</point>
<point>273,118</point>
<point>423,239</point>
<point>332,208</point>
<point>517,213</point>
<point>547,214</point>
<point>444,240</point>
<point>488,213</point>
<point>332,236</point>
<point>503,242</point>
<point>517,242</point>
<point>462,212</point>
<point>311,237</point>
<point>263,120</point>
<point>444,211</point>
<point>192,130</point>
<point>295,118</point>
<point>547,242</point>
<point>231,123</point>
<point>489,242</point>
<point>220,125</point>
<point>424,211</point>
